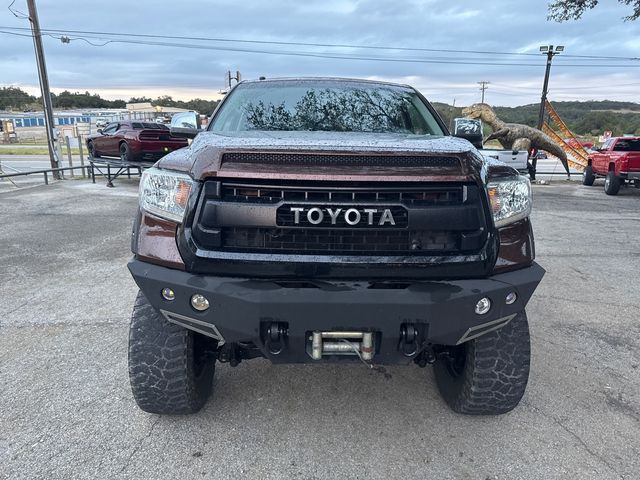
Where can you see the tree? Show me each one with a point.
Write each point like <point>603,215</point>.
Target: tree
<point>139,100</point>
<point>15,98</point>
<point>84,100</point>
<point>562,10</point>
<point>164,101</point>
<point>200,105</point>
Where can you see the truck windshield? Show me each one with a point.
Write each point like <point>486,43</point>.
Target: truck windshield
<point>627,145</point>
<point>331,106</point>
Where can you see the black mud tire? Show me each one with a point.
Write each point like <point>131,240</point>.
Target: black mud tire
<point>487,375</point>
<point>125,152</point>
<point>170,368</point>
<point>588,177</point>
<point>92,150</point>
<point>611,183</point>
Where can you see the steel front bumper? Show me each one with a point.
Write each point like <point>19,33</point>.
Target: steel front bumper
<point>241,310</point>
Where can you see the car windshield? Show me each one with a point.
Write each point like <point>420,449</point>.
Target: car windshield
<point>332,106</point>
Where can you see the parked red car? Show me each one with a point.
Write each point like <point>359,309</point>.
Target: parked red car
<point>578,143</point>
<point>618,160</point>
<point>134,141</point>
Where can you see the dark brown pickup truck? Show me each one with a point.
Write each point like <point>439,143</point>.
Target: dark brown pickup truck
<point>331,220</point>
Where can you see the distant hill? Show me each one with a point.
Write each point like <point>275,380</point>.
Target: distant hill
<point>583,118</point>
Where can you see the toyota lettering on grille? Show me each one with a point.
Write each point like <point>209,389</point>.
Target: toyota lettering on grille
<point>342,216</point>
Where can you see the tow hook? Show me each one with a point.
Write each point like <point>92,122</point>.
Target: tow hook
<point>408,340</point>
<point>275,337</point>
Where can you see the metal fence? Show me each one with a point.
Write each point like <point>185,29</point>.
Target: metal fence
<point>46,173</point>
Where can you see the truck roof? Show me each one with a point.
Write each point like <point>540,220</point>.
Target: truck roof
<point>325,79</point>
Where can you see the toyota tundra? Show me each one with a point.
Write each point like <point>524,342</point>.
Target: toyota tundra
<point>331,220</point>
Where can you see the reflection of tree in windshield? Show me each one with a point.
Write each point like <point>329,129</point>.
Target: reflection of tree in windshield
<point>330,110</point>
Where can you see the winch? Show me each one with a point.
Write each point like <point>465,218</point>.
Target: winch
<point>341,343</point>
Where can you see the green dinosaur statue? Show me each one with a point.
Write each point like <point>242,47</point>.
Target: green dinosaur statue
<point>514,135</point>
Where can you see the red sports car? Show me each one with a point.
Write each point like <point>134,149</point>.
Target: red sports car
<point>134,141</point>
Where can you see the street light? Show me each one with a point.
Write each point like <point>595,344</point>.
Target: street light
<point>550,52</point>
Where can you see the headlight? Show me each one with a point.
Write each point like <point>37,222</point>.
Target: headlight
<point>510,200</point>
<point>165,193</point>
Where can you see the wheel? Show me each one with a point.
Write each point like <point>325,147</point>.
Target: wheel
<point>170,368</point>
<point>125,154</point>
<point>588,177</point>
<point>92,150</point>
<point>611,184</point>
<point>487,375</point>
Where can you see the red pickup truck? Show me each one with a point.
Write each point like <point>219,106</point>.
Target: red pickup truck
<point>618,160</point>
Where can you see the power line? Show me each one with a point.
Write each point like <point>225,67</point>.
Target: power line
<point>16,34</point>
<point>65,39</point>
<point>310,44</point>
<point>339,45</point>
<point>283,43</point>
<point>346,56</point>
<point>16,13</point>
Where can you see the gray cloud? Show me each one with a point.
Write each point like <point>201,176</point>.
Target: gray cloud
<point>497,25</point>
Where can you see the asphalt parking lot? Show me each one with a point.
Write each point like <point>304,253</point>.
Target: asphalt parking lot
<point>66,409</point>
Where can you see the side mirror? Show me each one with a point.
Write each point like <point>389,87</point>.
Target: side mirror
<point>469,129</point>
<point>185,125</point>
<point>99,130</point>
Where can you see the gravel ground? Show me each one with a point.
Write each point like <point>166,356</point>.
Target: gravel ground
<point>66,409</point>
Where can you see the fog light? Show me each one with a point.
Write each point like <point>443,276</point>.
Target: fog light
<point>199,302</point>
<point>168,294</point>
<point>511,298</point>
<point>483,306</point>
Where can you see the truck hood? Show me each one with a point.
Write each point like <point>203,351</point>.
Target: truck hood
<point>343,141</point>
<point>204,158</point>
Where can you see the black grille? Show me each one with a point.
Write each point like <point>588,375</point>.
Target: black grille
<point>310,241</point>
<point>323,159</point>
<point>410,196</point>
<point>257,217</point>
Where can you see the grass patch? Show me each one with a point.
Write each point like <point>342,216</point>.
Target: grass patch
<point>35,150</point>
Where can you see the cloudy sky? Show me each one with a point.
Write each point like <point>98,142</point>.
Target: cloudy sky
<point>497,29</point>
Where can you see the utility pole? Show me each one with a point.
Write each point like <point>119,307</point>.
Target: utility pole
<point>483,87</point>
<point>237,77</point>
<point>549,51</point>
<point>453,111</point>
<point>44,85</point>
